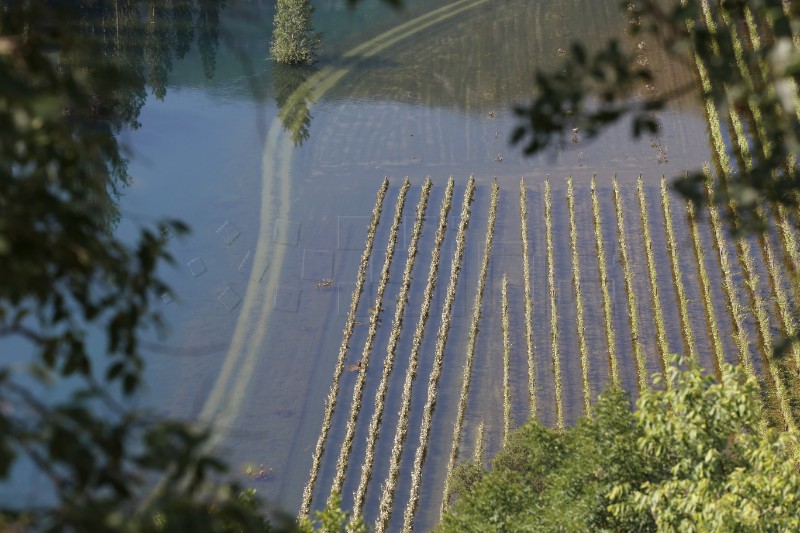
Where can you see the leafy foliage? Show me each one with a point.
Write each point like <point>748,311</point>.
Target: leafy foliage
<point>691,458</point>
<point>332,519</point>
<point>70,83</point>
<point>293,39</point>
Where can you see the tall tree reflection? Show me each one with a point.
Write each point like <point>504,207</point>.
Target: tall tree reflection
<point>291,96</point>
<point>119,50</point>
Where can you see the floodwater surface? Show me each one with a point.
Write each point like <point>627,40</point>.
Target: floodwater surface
<point>276,172</point>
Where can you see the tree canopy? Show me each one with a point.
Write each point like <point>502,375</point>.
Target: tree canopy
<point>692,457</point>
<point>294,41</point>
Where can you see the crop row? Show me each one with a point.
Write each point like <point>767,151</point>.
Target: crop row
<point>438,359</point>
<point>401,430</point>
<point>677,279</point>
<point>504,321</point>
<point>526,272</point>
<point>785,317</point>
<point>477,455</point>
<point>705,289</point>
<point>579,311</point>
<point>630,294</point>
<point>658,313</point>
<point>330,402</point>
<point>608,317</point>
<point>782,396</point>
<point>779,295</point>
<point>758,308</point>
<point>391,351</point>
<point>374,320</point>
<point>470,357</point>
<point>734,305</point>
<point>551,288</point>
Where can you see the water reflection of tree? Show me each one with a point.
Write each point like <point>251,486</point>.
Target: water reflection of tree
<point>121,49</point>
<point>291,96</point>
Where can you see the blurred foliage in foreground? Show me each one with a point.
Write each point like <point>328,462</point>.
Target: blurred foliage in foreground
<point>72,76</point>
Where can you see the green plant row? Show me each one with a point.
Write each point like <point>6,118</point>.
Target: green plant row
<point>506,359</point>
<point>391,351</point>
<point>470,357</point>
<point>755,42</point>
<point>579,310</point>
<point>658,313</point>
<point>401,430</point>
<point>330,402</point>
<point>734,306</point>
<point>789,239</point>
<point>438,359</point>
<point>608,317</point>
<point>374,321</point>
<point>677,279</point>
<point>788,235</point>
<point>526,272</point>
<point>785,317</point>
<point>705,288</point>
<point>478,452</point>
<point>551,284</point>
<point>758,308</point>
<point>630,292</point>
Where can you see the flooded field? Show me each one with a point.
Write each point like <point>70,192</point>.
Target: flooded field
<point>281,193</point>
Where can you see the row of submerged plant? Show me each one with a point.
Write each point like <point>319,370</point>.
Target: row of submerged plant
<point>705,289</point>
<point>658,313</point>
<point>330,402</point>
<point>526,272</point>
<point>602,271</point>
<point>401,430</point>
<point>470,357</point>
<point>504,326</point>
<point>374,320</point>
<point>438,359</point>
<point>551,289</point>
<point>677,278</point>
<point>579,310</point>
<point>391,351</point>
<point>630,292</point>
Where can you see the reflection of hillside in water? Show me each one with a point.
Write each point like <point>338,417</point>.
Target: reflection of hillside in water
<point>444,99</point>
<point>487,56</point>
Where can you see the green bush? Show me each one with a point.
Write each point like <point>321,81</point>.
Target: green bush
<point>693,457</point>
<point>293,38</point>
